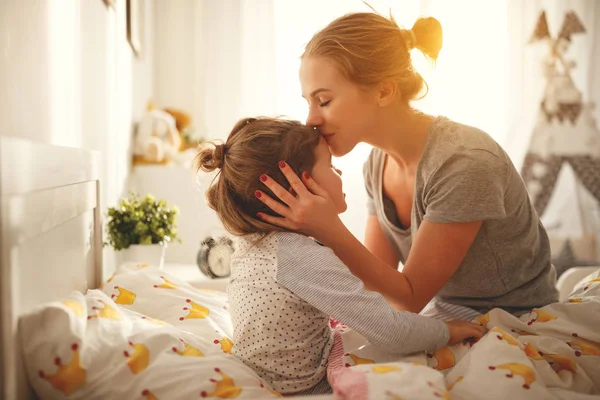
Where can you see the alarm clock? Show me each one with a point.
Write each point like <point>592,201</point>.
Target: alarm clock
<point>214,257</point>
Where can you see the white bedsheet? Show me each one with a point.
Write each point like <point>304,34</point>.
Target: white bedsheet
<point>551,353</point>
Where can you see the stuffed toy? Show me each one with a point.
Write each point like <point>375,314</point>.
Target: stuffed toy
<point>157,138</point>
<point>214,257</point>
<point>191,134</point>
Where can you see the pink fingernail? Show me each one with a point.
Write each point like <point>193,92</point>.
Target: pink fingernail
<point>259,215</point>
<point>258,194</point>
<point>281,164</point>
<point>306,175</point>
<point>263,178</point>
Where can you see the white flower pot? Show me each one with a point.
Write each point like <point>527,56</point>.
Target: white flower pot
<point>152,254</point>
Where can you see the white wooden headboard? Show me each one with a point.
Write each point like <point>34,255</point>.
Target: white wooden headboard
<point>50,238</point>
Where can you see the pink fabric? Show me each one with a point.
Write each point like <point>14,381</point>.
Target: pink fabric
<point>347,383</point>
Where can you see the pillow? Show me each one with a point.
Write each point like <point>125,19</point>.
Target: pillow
<point>156,294</point>
<point>89,347</point>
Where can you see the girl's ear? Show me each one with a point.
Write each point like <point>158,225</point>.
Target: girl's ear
<point>387,92</point>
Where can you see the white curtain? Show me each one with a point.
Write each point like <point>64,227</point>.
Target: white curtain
<point>233,58</point>
<point>215,59</point>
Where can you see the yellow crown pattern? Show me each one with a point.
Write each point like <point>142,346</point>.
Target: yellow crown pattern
<point>587,285</point>
<point>188,351</point>
<point>167,285</point>
<point>225,389</point>
<point>541,316</point>
<point>69,377</point>
<point>575,300</point>
<point>501,335</point>
<point>125,297</point>
<point>139,360</point>
<point>521,370</point>
<point>75,306</point>
<point>532,352</point>
<point>444,392</point>
<point>226,344</point>
<point>483,320</point>
<point>108,281</point>
<point>148,395</point>
<point>559,362</point>
<point>196,311</point>
<point>389,395</point>
<point>584,347</point>
<point>276,393</point>
<point>107,312</point>
<point>445,358</point>
<point>384,369</point>
<point>451,386</point>
<point>522,333</point>
<point>357,360</point>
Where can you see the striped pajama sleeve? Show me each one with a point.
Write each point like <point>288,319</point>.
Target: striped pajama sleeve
<point>446,311</point>
<point>316,275</point>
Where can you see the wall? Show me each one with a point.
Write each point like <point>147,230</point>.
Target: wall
<point>66,73</point>
<point>206,62</point>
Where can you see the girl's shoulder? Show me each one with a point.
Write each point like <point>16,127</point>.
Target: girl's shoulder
<point>297,248</point>
<point>273,243</point>
<point>296,240</point>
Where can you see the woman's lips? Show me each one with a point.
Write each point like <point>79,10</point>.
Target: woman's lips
<point>327,136</point>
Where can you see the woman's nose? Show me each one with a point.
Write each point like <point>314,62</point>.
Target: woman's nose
<point>314,119</point>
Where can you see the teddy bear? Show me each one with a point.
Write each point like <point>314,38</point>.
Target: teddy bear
<point>191,137</point>
<point>157,139</point>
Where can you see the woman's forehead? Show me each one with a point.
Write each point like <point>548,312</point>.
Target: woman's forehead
<point>318,73</point>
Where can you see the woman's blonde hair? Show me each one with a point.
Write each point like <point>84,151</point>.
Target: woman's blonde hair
<point>254,147</point>
<point>369,48</point>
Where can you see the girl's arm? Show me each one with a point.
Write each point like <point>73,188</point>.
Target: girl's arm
<point>435,255</point>
<point>314,273</point>
<point>378,243</point>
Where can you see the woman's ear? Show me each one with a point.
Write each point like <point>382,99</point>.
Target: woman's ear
<point>387,92</point>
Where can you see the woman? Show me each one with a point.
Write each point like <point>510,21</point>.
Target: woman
<point>444,198</point>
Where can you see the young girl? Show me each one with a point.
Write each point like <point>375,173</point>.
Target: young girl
<point>285,286</point>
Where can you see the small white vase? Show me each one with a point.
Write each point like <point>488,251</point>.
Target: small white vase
<point>152,254</point>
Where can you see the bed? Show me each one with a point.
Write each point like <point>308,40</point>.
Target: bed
<point>69,331</point>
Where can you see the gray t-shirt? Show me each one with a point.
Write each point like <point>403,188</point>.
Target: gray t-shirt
<point>464,175</point>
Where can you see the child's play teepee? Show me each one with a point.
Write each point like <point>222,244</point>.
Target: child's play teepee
<point>562,165</point>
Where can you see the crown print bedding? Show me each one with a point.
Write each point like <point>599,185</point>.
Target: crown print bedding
<point>148,335</point>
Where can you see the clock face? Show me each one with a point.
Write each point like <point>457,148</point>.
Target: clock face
<point>219,259</point>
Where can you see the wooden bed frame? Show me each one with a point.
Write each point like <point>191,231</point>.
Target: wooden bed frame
<point>50,238</point>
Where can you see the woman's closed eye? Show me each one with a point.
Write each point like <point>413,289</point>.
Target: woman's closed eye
<point>325,103</point>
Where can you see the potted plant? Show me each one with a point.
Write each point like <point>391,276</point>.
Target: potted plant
<point>141,228</point>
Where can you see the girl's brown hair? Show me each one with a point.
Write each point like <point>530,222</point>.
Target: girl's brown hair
<point>254,147</point>
<point>369,48</point>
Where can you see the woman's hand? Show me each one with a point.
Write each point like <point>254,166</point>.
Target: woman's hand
<point>461,330</point>
<point>311,211</point>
